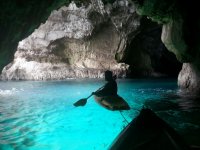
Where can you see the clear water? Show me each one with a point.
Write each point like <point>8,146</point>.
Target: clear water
<point>41,115</point>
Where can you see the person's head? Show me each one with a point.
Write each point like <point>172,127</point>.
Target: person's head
<point>108,75</point>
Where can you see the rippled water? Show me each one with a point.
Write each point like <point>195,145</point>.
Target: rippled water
<point>41,115</point>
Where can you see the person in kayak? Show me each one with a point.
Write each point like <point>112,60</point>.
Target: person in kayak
<point>110,87</point>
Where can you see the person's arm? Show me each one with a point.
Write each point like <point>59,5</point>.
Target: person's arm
<point>102,91</point>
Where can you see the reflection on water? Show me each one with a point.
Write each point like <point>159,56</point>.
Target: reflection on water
<point>174,101</point>
<point>41,115</point>
<point>182,113</point>
<point>188,103</point>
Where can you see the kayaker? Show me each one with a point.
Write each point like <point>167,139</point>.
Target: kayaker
<point>110,87</point>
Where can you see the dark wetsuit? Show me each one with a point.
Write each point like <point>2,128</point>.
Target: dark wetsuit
<point>110,88</point>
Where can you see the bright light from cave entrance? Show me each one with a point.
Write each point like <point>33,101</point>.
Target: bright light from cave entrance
<point>41,116</point>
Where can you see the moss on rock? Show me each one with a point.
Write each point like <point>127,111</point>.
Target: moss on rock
<point>161,11</point>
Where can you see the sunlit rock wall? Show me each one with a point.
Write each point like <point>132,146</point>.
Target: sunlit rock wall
<point>76,42</point>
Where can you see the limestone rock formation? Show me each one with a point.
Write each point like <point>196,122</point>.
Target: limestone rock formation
<point>172,34</point>
<point>189,79</point>
<point>180,34</point>
<point>76,42</point>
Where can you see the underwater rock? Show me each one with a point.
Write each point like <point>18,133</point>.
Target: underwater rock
<point>76,42</point>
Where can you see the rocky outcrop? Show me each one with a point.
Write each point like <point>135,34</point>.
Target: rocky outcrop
<point>172,37</point>
<point>189,76</point>
<point>189,80</point>
<point>76,42</point>
<point>18,19</point>
<point>180,34</point>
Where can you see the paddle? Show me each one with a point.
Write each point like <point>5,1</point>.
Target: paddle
<point>83,101</point>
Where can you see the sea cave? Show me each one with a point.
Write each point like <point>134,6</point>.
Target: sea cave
<point>54,55</point>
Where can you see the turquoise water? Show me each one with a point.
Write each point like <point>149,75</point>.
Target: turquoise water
<point>41,116</point>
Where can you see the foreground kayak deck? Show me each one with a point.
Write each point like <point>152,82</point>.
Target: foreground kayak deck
<point>149,132</point>
<point>112,102</point>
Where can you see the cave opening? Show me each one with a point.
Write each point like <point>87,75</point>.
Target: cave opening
<point>148,56</point>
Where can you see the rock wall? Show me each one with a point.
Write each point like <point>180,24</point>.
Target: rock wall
<point>189,80</point>
<point>180,34</point>
<point>76,42</point>
<point>148,56</point>
<point>18,19</point>
<point>189,76</point>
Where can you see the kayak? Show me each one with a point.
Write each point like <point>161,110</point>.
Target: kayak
<point>148,132</point>
<point>112,102</point>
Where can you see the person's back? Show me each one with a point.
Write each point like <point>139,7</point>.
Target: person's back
<point>110,87</point>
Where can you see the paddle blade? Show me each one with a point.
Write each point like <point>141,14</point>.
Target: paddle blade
<point>80,102</point>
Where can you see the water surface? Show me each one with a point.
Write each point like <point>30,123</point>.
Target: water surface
<point>41,116</point>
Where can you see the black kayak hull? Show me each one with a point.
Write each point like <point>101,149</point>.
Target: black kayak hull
<point>148,132</point>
